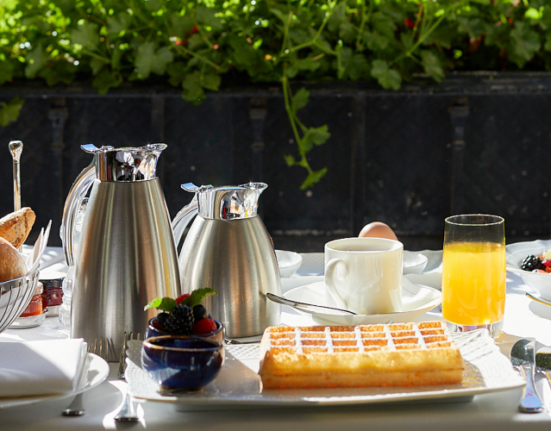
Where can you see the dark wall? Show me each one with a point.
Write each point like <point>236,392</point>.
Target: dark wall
<point>405,158</point>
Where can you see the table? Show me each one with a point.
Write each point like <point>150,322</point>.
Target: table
<point>486,412</point>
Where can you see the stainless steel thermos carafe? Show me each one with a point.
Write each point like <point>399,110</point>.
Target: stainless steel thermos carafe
<point>228,249</point>
<point>127,255</point>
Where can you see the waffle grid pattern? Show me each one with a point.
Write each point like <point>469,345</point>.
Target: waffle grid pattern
<point>358,339</point>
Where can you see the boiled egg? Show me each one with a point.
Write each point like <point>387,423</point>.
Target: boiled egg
<point>377,229</point>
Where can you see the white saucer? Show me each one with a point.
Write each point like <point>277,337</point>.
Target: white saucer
<point>417,300</point>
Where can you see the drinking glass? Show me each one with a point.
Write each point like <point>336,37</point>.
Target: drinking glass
<point>473,273</point>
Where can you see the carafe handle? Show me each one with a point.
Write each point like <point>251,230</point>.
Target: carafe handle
<point>183,218</point>
<point>74,200</point>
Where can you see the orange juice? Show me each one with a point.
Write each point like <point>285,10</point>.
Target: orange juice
<point>473,283</point>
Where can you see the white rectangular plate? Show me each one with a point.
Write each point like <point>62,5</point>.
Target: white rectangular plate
<point>238,384</point>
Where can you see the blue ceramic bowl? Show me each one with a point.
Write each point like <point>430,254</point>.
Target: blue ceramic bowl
<point>182,361</point>
<point>217,335</point>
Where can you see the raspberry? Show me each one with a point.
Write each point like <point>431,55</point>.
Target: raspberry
<point>546,263</point>
<point>204,326</point>
<point>181,298</point>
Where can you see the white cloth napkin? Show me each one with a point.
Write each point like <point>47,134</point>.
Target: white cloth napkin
<point>41,367</point>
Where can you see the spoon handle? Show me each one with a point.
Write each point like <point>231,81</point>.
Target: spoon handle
<point>303,305</point>
<point>530,402</point>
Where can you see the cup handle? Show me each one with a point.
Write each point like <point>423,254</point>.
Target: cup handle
<point>330,282</point>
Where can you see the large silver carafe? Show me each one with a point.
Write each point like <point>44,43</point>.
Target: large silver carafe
<point>228,248</point>
<point>127,255</point>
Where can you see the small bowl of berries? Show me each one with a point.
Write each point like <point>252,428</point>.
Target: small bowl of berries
<point>531,260</point>
<point>182,362</point>
<point>184,315</point>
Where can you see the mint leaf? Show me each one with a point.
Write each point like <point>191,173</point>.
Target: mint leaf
<point>161,59</point>
<point>163,304</point>
<point>198,295</point>
<point>9,112</point>
<point>524,44</point>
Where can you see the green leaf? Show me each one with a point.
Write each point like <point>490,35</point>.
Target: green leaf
<point>314,136</point>
<point>313,178</point>
<point>290,160</point>
<point>207,16</point>
<point>376,41</point>
<point>144,59</point>
<point>105,80</point>
<point>432,65</point>
<point>161,59</point>
<point>547,45</point>
<point>283,17</point>
<point>152,5</point>
<point>347,32</point>
<point>86,34</point>
<point>96,65</point>
<point>198,295</point>
<point>300,99</point>
<point>118,23</point>
<point>193,91</point>
<point>407,41</point>
<point>195,42</point>
<point>35,59</point>
<point>210,81</point>
<point>524,44</point>
<point>383,24</point>
<point>387,78</point>
<point>337,17</point>
<point>6,71</point>
<point>357,67</point>
<point>9,112</point>
<point>181,24</point>
<point>163,304</point>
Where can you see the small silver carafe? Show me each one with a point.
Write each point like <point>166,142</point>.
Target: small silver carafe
<point>228,249</point>
<point>127,255</point>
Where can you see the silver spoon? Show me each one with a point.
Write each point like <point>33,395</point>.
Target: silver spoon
<point>304,306</point>
<point>76,408</point>
<point>523,359</point>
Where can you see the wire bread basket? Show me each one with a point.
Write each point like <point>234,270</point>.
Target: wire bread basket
<point>15,296</point>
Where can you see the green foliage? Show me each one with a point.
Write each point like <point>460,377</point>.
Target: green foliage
<point>197,46</point>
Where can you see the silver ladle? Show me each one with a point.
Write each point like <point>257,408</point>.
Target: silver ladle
<point>304,306</point>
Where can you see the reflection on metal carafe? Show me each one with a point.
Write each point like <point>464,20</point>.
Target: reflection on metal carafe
<point>127,255</point>
<point>228,248</point>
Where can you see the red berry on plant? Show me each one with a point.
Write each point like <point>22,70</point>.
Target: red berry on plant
<point>204,326</point>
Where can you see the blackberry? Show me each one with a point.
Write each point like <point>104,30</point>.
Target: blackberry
<point>531,263</point>
<point>180,321</point>
<point>199,312</point>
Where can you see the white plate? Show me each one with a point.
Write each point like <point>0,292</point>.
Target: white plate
<point>95,371</point>
<point>288,262</point>
<point>238,384</point>
<point>417,300</point>
<point>314,263</point>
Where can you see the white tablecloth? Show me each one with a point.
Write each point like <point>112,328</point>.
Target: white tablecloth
<point>486,412</point>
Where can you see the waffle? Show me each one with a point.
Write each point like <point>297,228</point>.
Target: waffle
<point>412,354</point>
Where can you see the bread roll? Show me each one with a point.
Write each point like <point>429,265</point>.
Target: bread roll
<point>12,263</point>
<point>15,227</point>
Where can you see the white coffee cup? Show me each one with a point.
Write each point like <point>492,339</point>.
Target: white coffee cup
<point>364,275</point>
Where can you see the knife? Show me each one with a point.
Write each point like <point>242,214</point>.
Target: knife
<point>523,358</point>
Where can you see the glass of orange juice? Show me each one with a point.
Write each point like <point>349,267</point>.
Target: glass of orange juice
<point>473,273</point>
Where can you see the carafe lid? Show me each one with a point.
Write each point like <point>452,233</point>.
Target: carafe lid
<point>227,202</point>
<point>127,164</point>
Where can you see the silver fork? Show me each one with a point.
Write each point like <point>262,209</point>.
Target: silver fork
<point>126,413</point>
<point>76,408</point>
